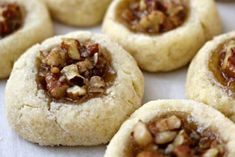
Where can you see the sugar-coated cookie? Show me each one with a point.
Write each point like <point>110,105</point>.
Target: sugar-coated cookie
<point>162,35</point>
<point>211,75</point>
<point>75,89</point>
<point>78,12</point>
<point>23,23</point>
<point>167,128</point>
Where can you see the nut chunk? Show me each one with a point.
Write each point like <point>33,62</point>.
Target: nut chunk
<point>170,123</point>
<point>56,88</point>
<point>72,48</point>
<point>165,137</point>
<point>70,71</point>
<point>97,85</point>
<point>141,134</point>
<point>76,91</point>
<point>56,57</point>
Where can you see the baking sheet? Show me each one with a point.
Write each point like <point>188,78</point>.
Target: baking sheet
<point>157,86</point>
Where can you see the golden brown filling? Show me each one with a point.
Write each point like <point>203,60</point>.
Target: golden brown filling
<point>174,136</point>
<point>154,16</point>
<point>10,18</point>
<point>75,71</point>
<point>222,64</point>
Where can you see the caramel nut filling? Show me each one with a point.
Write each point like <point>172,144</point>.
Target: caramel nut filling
<point>154,16</point>
<point>10,18</point>
<point>75,71</point>
<point>222,64</point>
<point>174,135</point>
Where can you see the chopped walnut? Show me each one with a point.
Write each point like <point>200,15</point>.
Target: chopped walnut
<point>56,57</point>
<point>154,16</point>
<point>143,5</point>
<point>55,70</point>
<point>56,88</point>
<point>170,123</point>
<point>182,138</point>
<point>213,152</point>
<point>84,66</point>
<point>165,137</point>
<point>72,48</point>
<point>141,134</point>
<point>76,91</point>
<point>174,136</point>
<point>93,48</point>
<point>97,85</point>
<point>71,71</point>
<point>75,71</point>
<point>10,18</point>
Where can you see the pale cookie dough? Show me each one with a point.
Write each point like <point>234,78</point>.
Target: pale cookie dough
<point>34,117</point>
<point>172,49</point>
<point>36,27</point>
<point>203,86</point>
<point>204,118</point>
<point>78,12</point>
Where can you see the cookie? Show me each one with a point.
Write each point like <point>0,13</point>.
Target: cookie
<point>78,12</point>
<point>162,35</point>
<point>210,77</point>
<point>75,89</point>
<point>24,23</point>
<point>174,128</point>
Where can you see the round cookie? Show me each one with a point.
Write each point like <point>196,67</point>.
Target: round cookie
<point>78,12</point>
<point>82,111</point>
<point>174,128</point>
<point>156,43</point>
<point>33,25</point>
<point>210,76</point>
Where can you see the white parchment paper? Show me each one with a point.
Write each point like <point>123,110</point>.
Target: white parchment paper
<point>157,86</point>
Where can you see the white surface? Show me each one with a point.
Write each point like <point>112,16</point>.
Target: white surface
<point>157,86</point>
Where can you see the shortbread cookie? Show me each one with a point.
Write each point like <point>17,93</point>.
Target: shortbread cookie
<point>23,23</point>
<point>162,35</point>
<point>211,75</point>
<point>174,128</point>
<point>71,90</point>
<point>78,12</point>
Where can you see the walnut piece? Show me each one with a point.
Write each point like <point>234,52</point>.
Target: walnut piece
<point>141,134</point>
<point>76,91</point>
<point>213,152</point>
<point>181,138</point>
<point>165,137</point>
<point>71,71</point>
<point>97,85</point>
<point>56,88</point>
<point>170,123</point>
<point>72,48</point>
<point>56,57</point>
